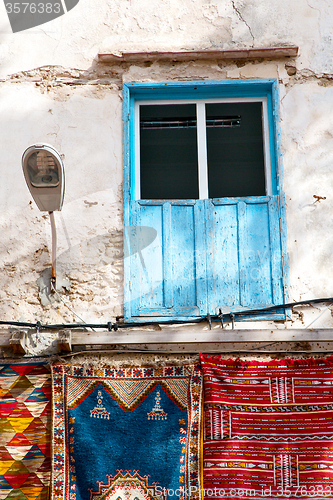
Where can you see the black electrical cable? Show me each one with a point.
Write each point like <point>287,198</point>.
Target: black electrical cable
<point>217,317</point>
<point>108,326</point>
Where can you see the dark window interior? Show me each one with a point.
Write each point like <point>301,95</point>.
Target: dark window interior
<point>168,150</point>
<point>235,151</point>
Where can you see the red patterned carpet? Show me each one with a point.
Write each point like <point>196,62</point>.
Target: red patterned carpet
<point>268,429</point>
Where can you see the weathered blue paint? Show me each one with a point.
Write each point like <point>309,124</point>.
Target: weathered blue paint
<point>164,281</point>
<point>205,90</point>
<point>126,188</point>
<point>201,89</point>
<point>282,206</point>
<point>209,254</point>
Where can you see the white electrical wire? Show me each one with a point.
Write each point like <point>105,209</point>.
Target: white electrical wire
<point>68,307</point>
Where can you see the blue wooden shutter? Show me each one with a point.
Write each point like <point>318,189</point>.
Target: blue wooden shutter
<point>245,265</point>
<point>192,257</point>
<point>189,258</point>
<point>167,277</point>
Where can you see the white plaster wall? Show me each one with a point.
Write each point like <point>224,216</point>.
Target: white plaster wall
<point>74,39</point>
<point>78,111</point>
<point>87,131</point>
<point>307,128</point>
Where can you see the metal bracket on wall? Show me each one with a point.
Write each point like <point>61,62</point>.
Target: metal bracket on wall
<point>18,343</point>
<point>65,341</point>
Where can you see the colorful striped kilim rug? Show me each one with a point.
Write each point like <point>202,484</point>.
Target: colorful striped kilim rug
<point>268,429</point>
<point>126,433</point>
<point>25,421</point>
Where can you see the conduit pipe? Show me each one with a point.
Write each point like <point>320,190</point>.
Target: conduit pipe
<point>54,253</point>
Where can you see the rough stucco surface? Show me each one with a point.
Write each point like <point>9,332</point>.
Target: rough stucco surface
<point>307,125</point>
<point>53,90</point>
<point>74,39</point>
<point>87,130</point>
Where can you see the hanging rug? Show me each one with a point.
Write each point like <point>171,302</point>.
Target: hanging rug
<point>25,431</point>
<point>126,433</point>
<point>268,428</point>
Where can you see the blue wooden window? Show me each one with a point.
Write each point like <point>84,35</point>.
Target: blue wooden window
<point>203,212</point>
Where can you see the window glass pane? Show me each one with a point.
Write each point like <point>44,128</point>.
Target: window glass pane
<point>235,151</point>
<point>168,151</point>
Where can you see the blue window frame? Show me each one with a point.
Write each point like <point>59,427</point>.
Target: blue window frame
<point>203,208</point>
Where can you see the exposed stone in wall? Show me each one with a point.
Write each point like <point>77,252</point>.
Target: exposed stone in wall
<point>84,124</point>
<point>79,112</point>
<point>103,77</point>
<point>52,89</point>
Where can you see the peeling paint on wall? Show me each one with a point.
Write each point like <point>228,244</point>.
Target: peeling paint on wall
<point>53,89</point>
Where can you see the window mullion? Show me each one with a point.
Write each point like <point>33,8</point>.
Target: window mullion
<point>202,151</point>
<point>137,180</point>
<point>266,145</point>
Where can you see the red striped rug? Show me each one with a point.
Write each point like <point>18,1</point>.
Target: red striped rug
<point>268,428</point>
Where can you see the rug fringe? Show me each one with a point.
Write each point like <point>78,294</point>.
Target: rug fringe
<point>287,362</point>
<point>126,360</point>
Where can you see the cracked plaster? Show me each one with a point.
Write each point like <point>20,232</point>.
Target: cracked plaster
<point>54,91</point>
<point>73,40</point>
<point>89,228</point>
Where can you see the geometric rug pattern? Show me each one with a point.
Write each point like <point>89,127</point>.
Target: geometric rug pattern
<point>25,429</point>
<point>126,433</point>
<point>268,428</point>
